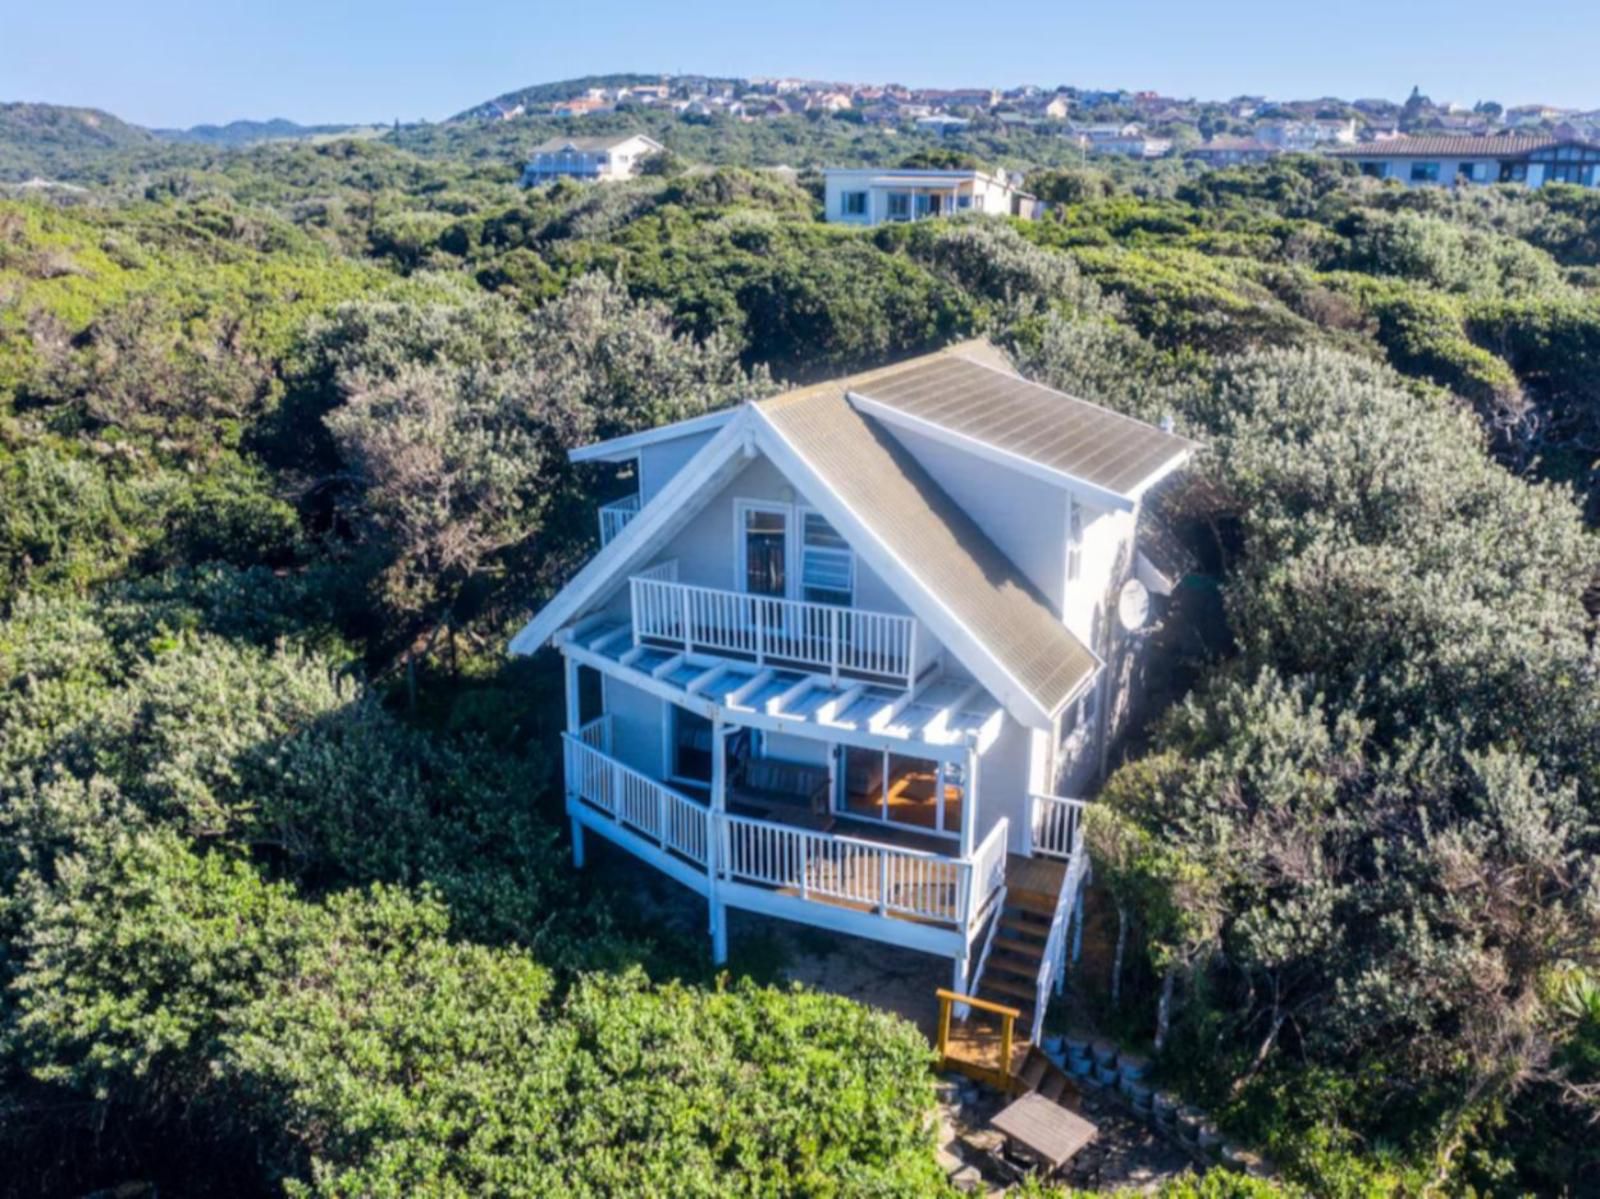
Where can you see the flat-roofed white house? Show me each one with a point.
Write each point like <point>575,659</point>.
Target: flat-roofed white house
<point>842,659</point>
<point>596,158</point>
<point>874,196</point>
<point>1449,161</point>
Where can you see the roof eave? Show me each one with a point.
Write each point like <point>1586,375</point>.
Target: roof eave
<point>620,449</point>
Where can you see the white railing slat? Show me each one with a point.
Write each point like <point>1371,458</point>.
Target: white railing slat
<point>823,636</point>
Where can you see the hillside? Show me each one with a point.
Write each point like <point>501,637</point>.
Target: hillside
<point>244,133</point>
<point>48,140</point>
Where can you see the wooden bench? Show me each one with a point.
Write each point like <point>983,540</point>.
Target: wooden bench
<point>784,789</point>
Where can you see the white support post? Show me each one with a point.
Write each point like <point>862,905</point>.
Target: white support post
<point>761,630</point>
<point>958,978</point>
<point>833,645</point>
<point>719,933</point>
<point>572,693</point>
<point>717,841</point>
<point>688,634</point>
<point>883,882</point>
<point>969,804</point>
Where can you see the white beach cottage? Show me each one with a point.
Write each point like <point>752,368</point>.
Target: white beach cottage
<point>848,648</point>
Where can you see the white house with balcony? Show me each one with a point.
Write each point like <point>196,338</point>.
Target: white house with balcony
<point>842,658</point>
<point>874,196</point>
<point>601,159</point>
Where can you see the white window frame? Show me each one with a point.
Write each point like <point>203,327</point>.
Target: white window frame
<point>1074,540</point>
<point>801,512</point>
<point>854,195</point>
<point>741,557</point>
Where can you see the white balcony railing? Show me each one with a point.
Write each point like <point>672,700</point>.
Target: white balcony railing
<point>884,878</point>
<point>988,870</point>
<point>852,641</point>
<point>634,800</point>
<point>614,517</point>
<point>1055,825</point>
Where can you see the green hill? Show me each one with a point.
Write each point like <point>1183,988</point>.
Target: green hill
<point>50,140</point>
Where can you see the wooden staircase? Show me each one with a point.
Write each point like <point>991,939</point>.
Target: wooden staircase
<point>1010,974</point>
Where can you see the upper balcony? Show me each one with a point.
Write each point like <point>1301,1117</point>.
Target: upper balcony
<point>843,643</point>
<point>614,517</point>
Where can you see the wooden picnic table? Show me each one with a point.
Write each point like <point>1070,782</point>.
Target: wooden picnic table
<point>1045,1129</point>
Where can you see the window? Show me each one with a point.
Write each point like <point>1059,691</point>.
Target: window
<point>1424,172</point>
<point>899,206</point>
<point>1513,172</point>
<point>853,203</point>
<point>827,564</point>
<point>1372,170</point>
<point>1074,541</point>
<point>764,549</point>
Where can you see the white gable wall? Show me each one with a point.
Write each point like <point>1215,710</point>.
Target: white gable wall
<point>659,462</point>
<point>1025,516</point>
<point>707,555</point>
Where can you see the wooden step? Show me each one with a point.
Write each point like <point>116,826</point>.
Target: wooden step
<point>1011,970</point>
<point>1036,902</point>
<point>1034,1070</point>
<point>1008,988</point>
<point>1033,950</point>
<point>1025,922</point>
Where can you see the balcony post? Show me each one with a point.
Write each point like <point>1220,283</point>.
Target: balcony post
<point>636,597</point>
<point>688,633</point>
<point>571,668</point>
<point>761,630</point>
<point>969,803</point>
<point>833,645</point>
<point>883,881</point>
<point>717,841</point>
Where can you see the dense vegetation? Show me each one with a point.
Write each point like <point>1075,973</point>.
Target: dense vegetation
<point>282,902</point>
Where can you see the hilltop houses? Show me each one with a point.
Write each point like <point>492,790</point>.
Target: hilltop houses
<point>848,654</point>
<point>600,159</point>
<point>873,196</point>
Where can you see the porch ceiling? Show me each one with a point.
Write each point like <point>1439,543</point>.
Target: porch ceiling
<point>940,713</point>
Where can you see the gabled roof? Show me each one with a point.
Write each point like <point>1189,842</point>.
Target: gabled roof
<point>586,145</point>
<point>619,449</point>
<point>904,526</point>
<point>962,579</point>
<point>1501,146</point>
<point>957,394</point>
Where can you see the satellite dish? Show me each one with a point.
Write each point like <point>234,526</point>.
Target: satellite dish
<point>1133,605</point>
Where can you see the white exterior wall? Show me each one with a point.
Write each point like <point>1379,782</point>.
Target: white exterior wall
<point>1105,540</point>
<point>637,721</point>
<point>659,462</point>
<point>1025,516</point>
<point>988,194</point>
<point>1003,784</point>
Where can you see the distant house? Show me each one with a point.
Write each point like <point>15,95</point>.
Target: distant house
<point>597,158</point>
<point>580,106</point>
<point>874,197</point>
<point>1231,151</point>
<point>1128,140</point>
<point>1450,161</point>
<point>1306,135</point>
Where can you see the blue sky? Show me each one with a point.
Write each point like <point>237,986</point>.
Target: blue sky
<point>180,62</point>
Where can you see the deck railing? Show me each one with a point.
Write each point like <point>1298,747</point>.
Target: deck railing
<point>988,870</point>
<point>881,877</point>
<point>614,517</point>
<point>765,629</point>
<point>1055,825</point>
<point>634,800</point>
<point>1053,965</point>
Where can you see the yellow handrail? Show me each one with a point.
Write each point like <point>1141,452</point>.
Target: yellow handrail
<point>1008,1016</point>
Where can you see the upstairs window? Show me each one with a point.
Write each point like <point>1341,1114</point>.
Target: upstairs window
<point>1074,542</point>
<point>827,564</point>
<point>853,203</point>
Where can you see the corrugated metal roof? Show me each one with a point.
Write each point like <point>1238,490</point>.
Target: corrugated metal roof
<point>1451,147</point>
<point>1008,413</point>
<point>936,541</point>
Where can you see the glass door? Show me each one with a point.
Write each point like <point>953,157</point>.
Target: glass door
<point>766,551</point>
